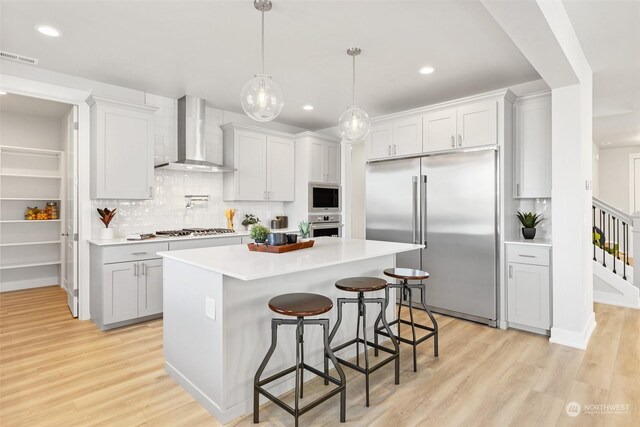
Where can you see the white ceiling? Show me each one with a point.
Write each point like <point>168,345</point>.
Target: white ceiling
<point>609,32</point>
<point>19,104</point>
<point>211,48</point>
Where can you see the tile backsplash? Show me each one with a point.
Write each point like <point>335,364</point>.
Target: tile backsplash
<point>167,210</point>
<point>539,206</point>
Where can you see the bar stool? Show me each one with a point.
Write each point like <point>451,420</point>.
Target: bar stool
<point>362,285</point>
<point>299,305</point>
<point>406,274</point>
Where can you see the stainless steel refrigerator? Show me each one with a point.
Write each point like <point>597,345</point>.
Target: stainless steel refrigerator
<point>447,202</point>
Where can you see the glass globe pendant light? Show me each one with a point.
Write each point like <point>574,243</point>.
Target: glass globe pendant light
<point>354,123</point>
<point>261,97</point>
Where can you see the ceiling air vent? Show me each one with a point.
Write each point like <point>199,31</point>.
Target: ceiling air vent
<point>18,58</point>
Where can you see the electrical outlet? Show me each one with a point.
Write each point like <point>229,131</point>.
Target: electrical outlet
<point>210,308</point>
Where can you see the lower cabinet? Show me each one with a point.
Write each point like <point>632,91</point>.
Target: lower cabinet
<point>150,287</point>
<point>529,288</point>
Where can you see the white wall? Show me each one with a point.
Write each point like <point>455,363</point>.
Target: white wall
<point>595,170</point>
<point>614,176</point>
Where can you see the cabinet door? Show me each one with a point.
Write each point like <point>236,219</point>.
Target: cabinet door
<point>120,292</point>
<point>149,287</point>
<point>533,148</point>
<point>407,136</point>
<point>528,295</point>
<point>251,164</point>
<point>124,153</point>
<point>280,169</point>
<point>478,124</point>
<point>439,130</point>
<point>379,141</point>
<point>332,162</point>
<point>317,169</point>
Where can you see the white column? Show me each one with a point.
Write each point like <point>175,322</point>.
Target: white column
<point>635,243</point>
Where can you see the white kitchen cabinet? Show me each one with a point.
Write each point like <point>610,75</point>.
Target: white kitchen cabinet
<point>379,141</point>
<point>395,138</point>
<point>120,292</point>
<point>528,287</point>
<point>477,124</point>
<point>439,130</point>
<point>324,161</point>
<point>533,146</point>
<point>263,161</point>
<point>150,287</point>
<point>122,142</point>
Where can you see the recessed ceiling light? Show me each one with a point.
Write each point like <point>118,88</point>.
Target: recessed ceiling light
<point>307,107</point>
<point>427,70</point>
<point>48,30</point>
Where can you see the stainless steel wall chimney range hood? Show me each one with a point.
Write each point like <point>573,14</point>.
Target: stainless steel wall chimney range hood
<point>195,146</point>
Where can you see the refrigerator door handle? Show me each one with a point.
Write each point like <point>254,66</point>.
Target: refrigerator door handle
<point>415,213</point>
<point>423,209</point>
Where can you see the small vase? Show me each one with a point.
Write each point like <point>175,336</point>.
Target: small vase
<point>528,233</point>
<point>107,234</point>
<point>259,242</point>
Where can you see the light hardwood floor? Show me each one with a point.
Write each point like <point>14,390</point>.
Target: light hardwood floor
<point>58,371</point>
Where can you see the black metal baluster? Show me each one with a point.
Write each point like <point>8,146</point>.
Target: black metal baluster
<point>593,232</point>
<point>615,242</point>
<point>624,257</point>
<point>603,242</point>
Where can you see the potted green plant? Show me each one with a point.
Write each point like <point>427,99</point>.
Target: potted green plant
<point>250,220</point>
<point>529,220</point>
<point>304,228</point>
<point>259,233</point>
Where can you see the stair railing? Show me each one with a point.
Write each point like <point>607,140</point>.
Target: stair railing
<point>608,224</point>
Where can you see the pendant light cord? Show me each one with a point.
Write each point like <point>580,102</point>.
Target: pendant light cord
<point>262,12</point>
<point>353,99</point>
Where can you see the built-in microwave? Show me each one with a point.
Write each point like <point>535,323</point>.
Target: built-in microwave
<point>324,197</point>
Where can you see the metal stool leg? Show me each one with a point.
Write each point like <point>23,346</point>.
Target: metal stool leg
<point>329,355</point>
<point>358,335</point>
<point>433,320</point>
<point>340,302</point>
<point>263,365</point>
<point>301,341</point>
<point>413,328</point>
<point>363,312</point>
<point>297,387</point>
<point>396,344</point>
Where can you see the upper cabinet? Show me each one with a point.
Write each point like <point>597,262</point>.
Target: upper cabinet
<point>533,146</point>
<point>395,138</point>
<point>462,125</point>
<point>263,161</point>
<point>324,161</point>
<point>122,141</point>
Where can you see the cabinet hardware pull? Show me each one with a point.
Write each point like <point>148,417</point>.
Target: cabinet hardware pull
<point>394,149</point>
<point>144,268</point>
<point>138,253</point>
<point>135,270</point>
<point>151,192</point>
<point>518,190</point>
<point>453,141</point>
<point>389,150</point>
<point>527,256</point>
<point>459,140</point>
<point>510,272</point>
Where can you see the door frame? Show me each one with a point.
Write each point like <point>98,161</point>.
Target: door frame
<point>35,89</point>
<point>632,182</point>
<point>345,181</point>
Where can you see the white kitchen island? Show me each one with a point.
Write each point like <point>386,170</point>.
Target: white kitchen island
<point>217,324</point>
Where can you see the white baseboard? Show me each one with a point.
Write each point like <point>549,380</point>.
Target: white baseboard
<point>614,299</point>
<point>27,284</point>
<point>573,338</point>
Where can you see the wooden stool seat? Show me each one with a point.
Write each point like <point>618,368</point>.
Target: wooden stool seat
<point>406,274</point>
<point>361,284</point>
<point>300,304</point>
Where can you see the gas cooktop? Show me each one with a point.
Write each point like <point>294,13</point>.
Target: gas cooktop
<point>194,232</point>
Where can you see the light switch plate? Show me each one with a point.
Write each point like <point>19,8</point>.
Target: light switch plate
<point>210,308</point>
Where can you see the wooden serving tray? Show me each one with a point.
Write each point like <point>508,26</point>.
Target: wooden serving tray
<point>280,249</point>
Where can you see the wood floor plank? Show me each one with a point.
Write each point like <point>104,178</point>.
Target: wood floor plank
<point>56,370</point>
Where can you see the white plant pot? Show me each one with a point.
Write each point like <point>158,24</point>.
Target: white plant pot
<point>107,234</point>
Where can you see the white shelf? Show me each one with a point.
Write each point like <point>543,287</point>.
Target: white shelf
<point>37,264</point>
<point>51,242</point>
<point>18,175</point>
<point>31,199</point>
<point>28,220</point>
<point>32,151</point>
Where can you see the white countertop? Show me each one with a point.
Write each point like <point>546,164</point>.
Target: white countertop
<point>523,241</point>
<point>237,261</point>
<point>124,241</point>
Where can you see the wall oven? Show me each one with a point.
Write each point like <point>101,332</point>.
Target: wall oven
<point>324,197</point>
<point>325,225</point>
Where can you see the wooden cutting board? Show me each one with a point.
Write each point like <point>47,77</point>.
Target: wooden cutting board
<point>280,249</point>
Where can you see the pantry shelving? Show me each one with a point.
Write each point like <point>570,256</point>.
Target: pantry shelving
<point>31,249</point>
